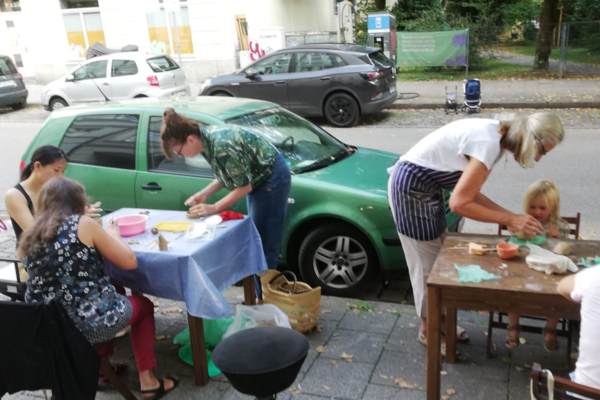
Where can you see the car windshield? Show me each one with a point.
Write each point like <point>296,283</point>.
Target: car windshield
<point>304,145</point>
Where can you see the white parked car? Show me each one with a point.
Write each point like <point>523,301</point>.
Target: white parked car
<point>117,76</point>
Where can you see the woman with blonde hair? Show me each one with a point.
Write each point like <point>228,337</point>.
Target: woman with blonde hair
<point>459,157</point>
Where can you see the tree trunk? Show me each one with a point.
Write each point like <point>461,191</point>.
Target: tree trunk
<point>548,21</point>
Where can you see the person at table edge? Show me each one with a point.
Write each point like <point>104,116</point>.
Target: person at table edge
<point>244,163</point>
<point>459,157</point>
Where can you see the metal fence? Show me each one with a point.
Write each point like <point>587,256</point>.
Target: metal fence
<point>579,48</point>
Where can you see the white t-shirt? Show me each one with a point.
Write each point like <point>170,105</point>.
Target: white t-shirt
<point>445,148</point>
<point>587,292</point>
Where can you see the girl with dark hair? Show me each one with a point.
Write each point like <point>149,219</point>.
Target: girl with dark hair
<point>63,252</point>
<point>244,163</point>
<point>46,163</point>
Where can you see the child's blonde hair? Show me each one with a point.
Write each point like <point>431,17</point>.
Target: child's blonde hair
<point>549,192</point>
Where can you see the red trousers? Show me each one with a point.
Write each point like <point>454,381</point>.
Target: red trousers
<point>142,334</point>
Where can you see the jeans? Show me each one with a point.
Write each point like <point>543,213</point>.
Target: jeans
<point>267,205</point>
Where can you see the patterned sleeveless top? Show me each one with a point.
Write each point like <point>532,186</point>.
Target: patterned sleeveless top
<point>72,273</point>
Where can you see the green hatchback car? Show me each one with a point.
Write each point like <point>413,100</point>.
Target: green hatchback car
<point>338,231</point>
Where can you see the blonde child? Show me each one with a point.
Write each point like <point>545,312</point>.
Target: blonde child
<point>541,201</point>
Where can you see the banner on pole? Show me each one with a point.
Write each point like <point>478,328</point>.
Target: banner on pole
<point>433,49</point>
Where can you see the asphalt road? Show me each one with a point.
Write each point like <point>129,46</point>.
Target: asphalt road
<point>574,165</point>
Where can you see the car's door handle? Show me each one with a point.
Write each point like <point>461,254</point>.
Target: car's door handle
<point>326,78</point>
<point>279,83</point>
<point>105,84</point>
<point>153,186</point>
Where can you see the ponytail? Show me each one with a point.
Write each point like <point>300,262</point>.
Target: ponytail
<point>44,155</point>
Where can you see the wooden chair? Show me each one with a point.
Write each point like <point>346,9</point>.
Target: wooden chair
<point>565,328</point>
<point>107,371</point>
<point>564,388</point>
<point>574,223</point>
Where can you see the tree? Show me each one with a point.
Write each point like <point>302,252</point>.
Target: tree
<point>380,4</point>
<point>548,21</point>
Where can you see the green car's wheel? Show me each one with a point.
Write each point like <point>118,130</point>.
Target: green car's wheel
<point>338,258</point>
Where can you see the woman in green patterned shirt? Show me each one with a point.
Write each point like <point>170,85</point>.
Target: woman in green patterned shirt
<point>244,163</point>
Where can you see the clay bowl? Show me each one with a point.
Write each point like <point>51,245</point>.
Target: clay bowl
<point>506,251</point>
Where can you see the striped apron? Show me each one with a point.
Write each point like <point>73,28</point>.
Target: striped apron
<point>416,199</point>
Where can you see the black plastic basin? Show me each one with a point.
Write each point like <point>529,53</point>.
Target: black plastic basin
<point>261,361</point>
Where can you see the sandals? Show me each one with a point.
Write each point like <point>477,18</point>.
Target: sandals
<point>512,337</point>
<point>160,391</point>
<point>423,340</point>
<point>550,341</point>
<point>461,334</point>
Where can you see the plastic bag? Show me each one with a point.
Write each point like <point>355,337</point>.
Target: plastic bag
<point>262,315</point>
<point>213,334</point>
<point>546,261</point>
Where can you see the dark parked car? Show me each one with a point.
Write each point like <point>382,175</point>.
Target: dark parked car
<point>12,88</point>
<point>338,81</point>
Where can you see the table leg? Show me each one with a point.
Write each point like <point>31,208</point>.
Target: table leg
<point>451,335</point>
<point>198,354</point>
<point>249,291</point>
<point>434,316</point>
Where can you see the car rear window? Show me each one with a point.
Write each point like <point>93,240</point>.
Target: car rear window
<point>380,60</point>
<point>162,64</point>
<point>6,66</point>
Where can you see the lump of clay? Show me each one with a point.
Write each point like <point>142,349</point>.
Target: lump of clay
<point>563,248</point>
<point>477,249</point>
<point>523,236</point>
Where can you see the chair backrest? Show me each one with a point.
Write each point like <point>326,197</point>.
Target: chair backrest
<point>563,388</point>
<point>574,224</point>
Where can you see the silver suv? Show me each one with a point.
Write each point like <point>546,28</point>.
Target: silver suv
<point>117,76</point>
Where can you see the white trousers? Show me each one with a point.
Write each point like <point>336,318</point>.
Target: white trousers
<point>420,256</point>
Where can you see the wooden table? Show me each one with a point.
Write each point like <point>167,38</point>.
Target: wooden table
<point>521,290</point>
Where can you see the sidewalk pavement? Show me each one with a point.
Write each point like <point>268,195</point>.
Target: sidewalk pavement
<point>543,93</point>
<point>360,351</point>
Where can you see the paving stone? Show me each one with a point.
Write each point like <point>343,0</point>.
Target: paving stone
<point>381,320</point>
<point>468,388</point>
<point>380,392</point>
<point>518,384</point>
<point>474,363</point>
<point>404,339</point>
<point>406,366</point>
<point>343,380</point>
<point>333,308</point>
<point>363,346</point>
<point>323,333</point>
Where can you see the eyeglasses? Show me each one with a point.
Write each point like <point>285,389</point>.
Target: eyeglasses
<point>541,148</point>
<point>178,152</point>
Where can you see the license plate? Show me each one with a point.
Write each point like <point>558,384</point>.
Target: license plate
<point>8,84</point>
<point>393,89</point>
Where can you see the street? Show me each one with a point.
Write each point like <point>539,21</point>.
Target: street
<point>570,165</point>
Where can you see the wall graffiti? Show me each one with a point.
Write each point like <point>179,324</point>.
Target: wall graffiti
<point>255,50</point>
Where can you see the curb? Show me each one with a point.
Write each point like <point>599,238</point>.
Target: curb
<point>551,105</point>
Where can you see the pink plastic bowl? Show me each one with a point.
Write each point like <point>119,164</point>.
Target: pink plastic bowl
<point>130,225</point>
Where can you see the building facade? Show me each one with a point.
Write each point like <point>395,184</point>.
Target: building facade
<point>47,38</point>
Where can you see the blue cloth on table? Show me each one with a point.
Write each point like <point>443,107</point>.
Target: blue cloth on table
<point>192,270</point>
<point>473,273</point>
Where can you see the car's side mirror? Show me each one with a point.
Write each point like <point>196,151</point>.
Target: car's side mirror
<point>69,78</point>
<point>251,73</point>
